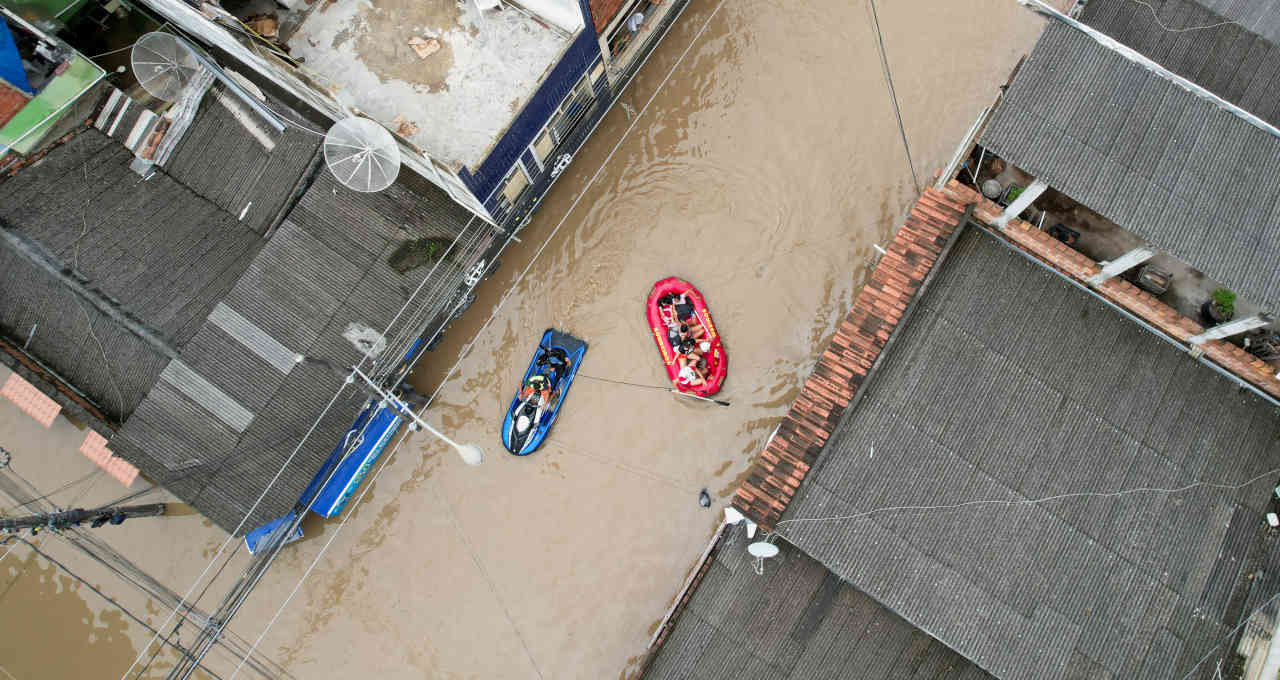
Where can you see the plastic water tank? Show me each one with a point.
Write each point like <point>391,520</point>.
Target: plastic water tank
<point>991,189</point>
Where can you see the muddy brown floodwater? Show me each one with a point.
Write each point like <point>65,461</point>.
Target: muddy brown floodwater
<point>763,171</point>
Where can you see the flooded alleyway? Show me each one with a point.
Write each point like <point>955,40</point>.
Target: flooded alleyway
<point>759,156</point>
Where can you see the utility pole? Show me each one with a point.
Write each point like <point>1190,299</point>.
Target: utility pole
<point>70,518</point>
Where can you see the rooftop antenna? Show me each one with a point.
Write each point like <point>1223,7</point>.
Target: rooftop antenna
<point>163,64</point>
<point>361,154</point>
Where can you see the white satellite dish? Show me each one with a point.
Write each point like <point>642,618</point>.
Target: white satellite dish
<point>163,63</point>
<point>362,154</point>
<point>762,549</point>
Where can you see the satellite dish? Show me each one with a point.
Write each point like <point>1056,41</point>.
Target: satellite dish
<point>163,64</point>
<point>762,549</point>
<point>362,154</point>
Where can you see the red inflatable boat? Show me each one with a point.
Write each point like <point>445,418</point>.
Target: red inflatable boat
<point>684,305</point>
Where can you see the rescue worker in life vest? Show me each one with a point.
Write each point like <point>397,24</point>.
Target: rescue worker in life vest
<point>554,364</point>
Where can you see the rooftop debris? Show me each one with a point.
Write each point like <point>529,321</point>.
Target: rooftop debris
<point>424,47</point>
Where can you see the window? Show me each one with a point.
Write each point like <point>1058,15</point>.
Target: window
<point>543,146</point>
<point>574,107</point>
<point>516,182</point>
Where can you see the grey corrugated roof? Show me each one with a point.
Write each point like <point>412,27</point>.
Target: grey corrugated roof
<point>1006,383</point>
<point>219,159</point>
<point>1236,61</point>
<point>324,268</point>
<point>1169,165</point>
<point>160,252</point>
<point>796,620</point>
<point>217,422</point>
<point>111,366</point>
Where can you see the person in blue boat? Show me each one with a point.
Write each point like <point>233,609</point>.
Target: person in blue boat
<point>557,360</point>
<point>553,364</point>
<point>540,385</point>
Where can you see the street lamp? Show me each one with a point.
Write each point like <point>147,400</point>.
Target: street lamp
<point>470,453</point>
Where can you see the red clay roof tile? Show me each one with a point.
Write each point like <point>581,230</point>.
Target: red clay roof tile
<point>848,357</point>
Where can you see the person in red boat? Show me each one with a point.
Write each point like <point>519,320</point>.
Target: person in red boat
<point>681,320</point>
<point>693,367</point>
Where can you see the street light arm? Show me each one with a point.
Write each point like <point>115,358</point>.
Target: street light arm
<point>470,453</point>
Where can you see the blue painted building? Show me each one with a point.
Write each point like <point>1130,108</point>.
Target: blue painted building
<point>519,113</point>
<point>544,136</point>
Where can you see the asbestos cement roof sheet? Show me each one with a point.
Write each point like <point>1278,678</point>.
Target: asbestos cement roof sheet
<point>152,248</point>
<point>1007,385</point>
<point>795,620</point>
<point>1175,167</point>
<point>1226,46</point>
<point>241,164</point>
<point>324,269</point>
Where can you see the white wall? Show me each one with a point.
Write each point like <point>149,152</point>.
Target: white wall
<point>207,31</point>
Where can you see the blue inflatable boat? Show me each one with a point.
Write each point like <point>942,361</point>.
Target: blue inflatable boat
<point>542,391</point>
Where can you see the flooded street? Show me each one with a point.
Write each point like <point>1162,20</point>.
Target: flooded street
<point>762,171</point>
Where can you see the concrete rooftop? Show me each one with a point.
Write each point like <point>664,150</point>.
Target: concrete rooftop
<point>461,97</point>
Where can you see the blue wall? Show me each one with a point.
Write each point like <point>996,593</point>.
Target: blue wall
<point>11,68</point>
<point>576,61</point>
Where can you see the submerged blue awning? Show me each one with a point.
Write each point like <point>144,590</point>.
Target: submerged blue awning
<point>11,69</point>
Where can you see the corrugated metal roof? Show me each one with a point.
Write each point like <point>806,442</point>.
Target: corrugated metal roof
<point>1220,44</point>
<point>1148,154</point>
<point>220,159</point>
<point>155,249</point>
<point>1007,384</point>
<point>234,309</point>
<point>796,620</point>
<point>324,268</point>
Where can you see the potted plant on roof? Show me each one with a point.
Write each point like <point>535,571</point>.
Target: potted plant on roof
<point>1220,307</point>
<point>418,252</point>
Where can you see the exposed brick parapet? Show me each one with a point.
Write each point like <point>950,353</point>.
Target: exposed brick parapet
<point>1140,303</point>
<point>845,363</point>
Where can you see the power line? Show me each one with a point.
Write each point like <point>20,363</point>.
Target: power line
<point>1030,501</point>
<point>97,592</point>
<point>400,345</point>
<point>232,535</point>
<point>387,459</point>
<point>292,455</point>
<point>257,568</point>
<point>178,625</point>
<point>127,47</point>
<point>64,487</point>
<point>1230,633</point>
<point>111,560</point>
<point>893,95</point>
<point>292,122</point>
<point>579,198</point>
<point>1156,16</point>
<point>19,477</point>
<point>1046,499</point>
